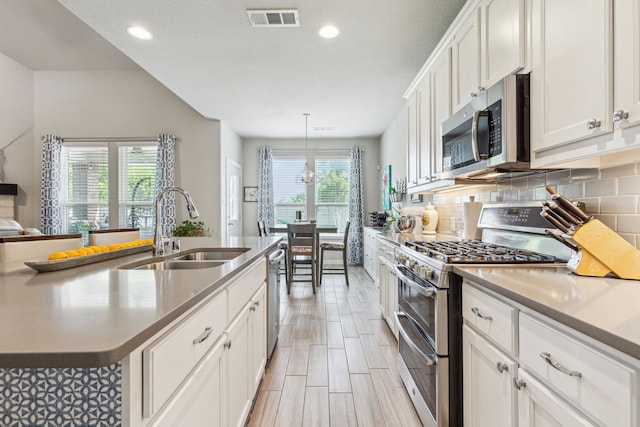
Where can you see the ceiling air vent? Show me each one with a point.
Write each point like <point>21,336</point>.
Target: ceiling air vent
<point>274,18</point>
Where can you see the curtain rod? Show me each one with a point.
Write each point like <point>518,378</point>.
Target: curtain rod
<point>117,139</point>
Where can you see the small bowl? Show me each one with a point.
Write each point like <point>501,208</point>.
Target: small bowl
<point>406,224</point>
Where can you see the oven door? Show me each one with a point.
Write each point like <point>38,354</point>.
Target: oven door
<point>427,305</point>
<point>424,373</point>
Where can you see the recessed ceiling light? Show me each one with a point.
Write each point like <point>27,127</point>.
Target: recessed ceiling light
<point>139,33</point>
<point>329,32</point>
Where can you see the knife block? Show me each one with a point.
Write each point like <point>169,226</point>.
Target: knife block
<point>608,248</point>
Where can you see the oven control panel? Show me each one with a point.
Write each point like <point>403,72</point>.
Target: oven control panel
<point>420,269</point>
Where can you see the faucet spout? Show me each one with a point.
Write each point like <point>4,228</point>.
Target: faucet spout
<point>158,239</point>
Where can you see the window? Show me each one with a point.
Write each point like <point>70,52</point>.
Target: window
<point>327,199</point>
<point>108,186</point>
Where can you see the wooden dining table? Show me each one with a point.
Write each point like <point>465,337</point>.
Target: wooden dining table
<point>327,229</point>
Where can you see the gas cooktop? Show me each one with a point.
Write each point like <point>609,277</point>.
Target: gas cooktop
<point>477,252</point>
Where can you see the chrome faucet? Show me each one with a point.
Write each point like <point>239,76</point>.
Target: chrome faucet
<point>158,239</point>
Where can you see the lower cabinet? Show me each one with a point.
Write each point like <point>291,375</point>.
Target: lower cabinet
<point>205,368</point>
<point>553,376</point>
<point>489,396</point>
<point>370,252</point>
<point>387,286</point>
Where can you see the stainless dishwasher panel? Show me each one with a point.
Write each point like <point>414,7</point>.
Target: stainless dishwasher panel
<point>273,299</point>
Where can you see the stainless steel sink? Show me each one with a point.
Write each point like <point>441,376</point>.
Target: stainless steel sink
<point>211,254</point>
<point>172,264</point>
<point>187,260</point>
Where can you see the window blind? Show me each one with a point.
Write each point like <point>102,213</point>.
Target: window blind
<point>332,191</point>
<point>136,188</point>
<point>289,193</point>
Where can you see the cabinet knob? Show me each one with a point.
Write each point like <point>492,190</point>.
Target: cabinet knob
<point>620,115</point>
<point>519,384</point>
<point>473,94</point>
<point>593,123</point>
<point>502,367</point>
<point>481,89</point>
<point>227,345</point>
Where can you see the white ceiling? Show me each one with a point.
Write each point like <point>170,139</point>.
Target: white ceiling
<point>258,80</point>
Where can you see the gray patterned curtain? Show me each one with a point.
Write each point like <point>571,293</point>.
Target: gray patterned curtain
<point>166,177</point>
<point>355,250</point>
<point>50,185</point>
<point>266,210</point>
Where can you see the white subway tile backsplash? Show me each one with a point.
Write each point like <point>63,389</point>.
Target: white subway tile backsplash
<point>629,224</point>
<point>631,238</point>
<point>592,205</point>
<point>603,187</point>
<point>608,220</point>
<point>526,194</point>
<point>572,191</point>
<point>578,175</point>
<point>629,185</point>
<point>624,170</point>
<point>618,205</point>
<point>537,180</point>
<point>559,177</point>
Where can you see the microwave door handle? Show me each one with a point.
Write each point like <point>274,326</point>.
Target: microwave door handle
<point>474,135</point>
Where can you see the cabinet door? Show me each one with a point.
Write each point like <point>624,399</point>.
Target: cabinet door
<point>489,396</point>
<point>502,39</point>
<point>627,62</point>
<point>441,105</point>
<point>258,338</point>
<point>571,75</point>
<point>198,401</point>
<point>538,407</point>
<point>392,299</point>
<point>412,141</point>
<point>466,62</point>
<point>237,363</point>
<point>425,133</point>
<point>383,287</point>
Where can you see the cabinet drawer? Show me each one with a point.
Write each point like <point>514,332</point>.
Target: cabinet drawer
<point>590,379</point>
<point>490,316</point>
<point>245,286</point>
<point>168,361</point>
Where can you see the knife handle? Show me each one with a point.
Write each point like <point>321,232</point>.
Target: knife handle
<point>556,235</point>
<point>569,206</point>
<point>557,217</point>
<point>551,220</point>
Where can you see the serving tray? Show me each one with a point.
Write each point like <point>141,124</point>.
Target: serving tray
<point>46,265</point>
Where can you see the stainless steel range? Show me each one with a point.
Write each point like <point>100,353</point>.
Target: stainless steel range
<point>430,296</point>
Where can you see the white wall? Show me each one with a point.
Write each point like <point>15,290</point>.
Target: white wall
<point>371,168</point>
<point>393,147</point>
<point>127,104</point>
<point>16,118</point>
<point>230,149</point>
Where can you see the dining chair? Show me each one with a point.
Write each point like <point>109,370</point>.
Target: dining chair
<point>263,231</point>
<point>302,252</point>
<point>338,247</point>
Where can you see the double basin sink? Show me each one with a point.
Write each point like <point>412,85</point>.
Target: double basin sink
<point>187,260</point>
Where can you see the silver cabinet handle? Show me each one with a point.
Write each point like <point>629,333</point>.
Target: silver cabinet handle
<point>204,335</point>
<point>519,384</point>
<point>476,311</point>
<point>227,345</point>
<point>473,94</point>
<point>502,367</point>
<point>620,115</point>
<point>481,89</point>
<point>593,123</point>
<point>558,366</point>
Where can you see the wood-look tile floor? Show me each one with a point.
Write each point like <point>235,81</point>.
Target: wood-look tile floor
<point>335,362</point>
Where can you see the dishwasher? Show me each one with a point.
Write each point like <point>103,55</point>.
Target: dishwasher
<point>273,299</point>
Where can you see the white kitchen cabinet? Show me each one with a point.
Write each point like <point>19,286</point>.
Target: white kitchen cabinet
<point>388,285</point>
<point>465,50</point>
<point>489,395</point>
<point>199,401</point>
<point>238,361</point>
<point>571,78</point>
<point>538,407</point>
<point>626,63</point>
<point>258,335</point>
<point>488,46</point>
<point>370,252</point>
<point>413,152</point>
<point>426,145</point>
<point>440,75</point>
<point>383,287</point>
<point>503,39</point>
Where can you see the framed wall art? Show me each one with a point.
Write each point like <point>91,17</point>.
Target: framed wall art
<point>250,194</point>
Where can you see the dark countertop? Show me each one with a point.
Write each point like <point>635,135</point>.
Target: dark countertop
<point>605,309</point>
<point>95,315</point>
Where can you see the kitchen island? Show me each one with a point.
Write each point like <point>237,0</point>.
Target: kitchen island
<point>73,341</point>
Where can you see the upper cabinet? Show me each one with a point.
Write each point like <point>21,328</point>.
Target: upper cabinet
<point>440,80</point>
<point>571,79</point>
<point>585,80</point>
<point>488,46</point>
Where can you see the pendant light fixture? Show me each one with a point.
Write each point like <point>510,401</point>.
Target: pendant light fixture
<point>306,176</point>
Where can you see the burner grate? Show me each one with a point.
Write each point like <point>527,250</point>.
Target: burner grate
<point>477,252</point>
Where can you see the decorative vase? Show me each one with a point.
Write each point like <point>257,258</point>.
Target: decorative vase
<point>429,220</point>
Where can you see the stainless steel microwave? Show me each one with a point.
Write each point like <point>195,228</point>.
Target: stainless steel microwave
<point>490,134</point>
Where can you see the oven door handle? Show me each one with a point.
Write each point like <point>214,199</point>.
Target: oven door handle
<point>429,359</point>
<point>427,291</point>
